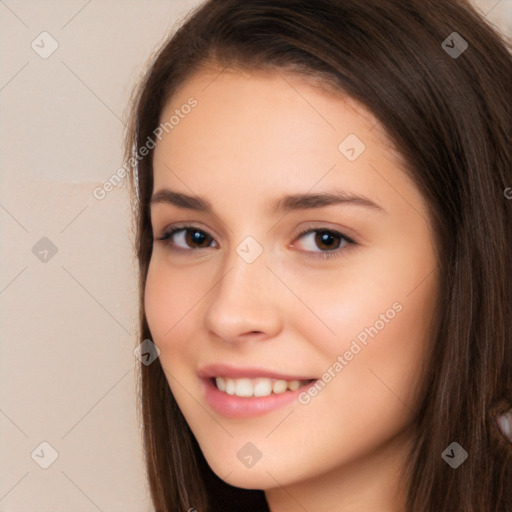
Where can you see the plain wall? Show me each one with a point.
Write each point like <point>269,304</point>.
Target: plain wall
<point>68,319</point>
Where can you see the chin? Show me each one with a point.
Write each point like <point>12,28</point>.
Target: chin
<point>265,473</point>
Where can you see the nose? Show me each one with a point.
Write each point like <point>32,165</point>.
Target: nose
<point>246,302</point>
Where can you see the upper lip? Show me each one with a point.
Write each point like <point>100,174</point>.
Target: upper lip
<point>226,370</point>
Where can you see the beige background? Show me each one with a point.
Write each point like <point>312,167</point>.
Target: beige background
<point>68,324</point>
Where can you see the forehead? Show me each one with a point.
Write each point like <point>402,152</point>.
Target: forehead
<point>265,131</point>
<point>272,107</point>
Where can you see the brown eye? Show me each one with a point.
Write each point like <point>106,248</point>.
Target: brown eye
<point>187,237</point>
<point>194,236</point>
<point>329,242</point>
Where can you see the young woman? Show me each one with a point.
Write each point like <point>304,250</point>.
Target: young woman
<point>323,228</point>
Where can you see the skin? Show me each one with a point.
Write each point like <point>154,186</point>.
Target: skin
<point>254,137</point>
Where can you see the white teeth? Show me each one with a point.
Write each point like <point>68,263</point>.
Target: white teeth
<point>293,385</point>
<point>256,387</point>
<point>230,386</point>
<point>221,383</point>
<point>243,387</point>
<point>263,387</point>
<point>279,386</point>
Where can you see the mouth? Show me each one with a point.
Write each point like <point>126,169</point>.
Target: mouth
<point>235,392</point>
<point>257,387</point>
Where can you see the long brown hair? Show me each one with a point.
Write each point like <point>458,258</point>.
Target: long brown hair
<point>449,115</point>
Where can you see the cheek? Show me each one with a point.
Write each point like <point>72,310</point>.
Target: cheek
<point>383,338</point>
<point>168,302</point>
<point>362,299</point>
<point>169,296</point>
<point>378,315</point>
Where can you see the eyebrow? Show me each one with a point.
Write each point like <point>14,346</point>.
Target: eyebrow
<point>282,205</point>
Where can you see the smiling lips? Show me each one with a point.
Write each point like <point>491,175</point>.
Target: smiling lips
<point>246,392</point>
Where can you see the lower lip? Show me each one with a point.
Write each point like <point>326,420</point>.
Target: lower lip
<point>233,406</point>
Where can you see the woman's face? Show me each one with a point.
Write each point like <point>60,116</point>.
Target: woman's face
<point>242,295</point>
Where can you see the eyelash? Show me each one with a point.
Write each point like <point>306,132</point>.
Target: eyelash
<point>322,255</point>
